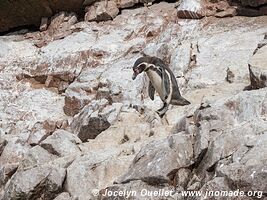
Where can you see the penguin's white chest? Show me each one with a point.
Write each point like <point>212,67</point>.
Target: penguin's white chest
<point>156,81</point>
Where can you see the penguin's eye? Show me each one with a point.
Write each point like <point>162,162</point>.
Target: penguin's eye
<point>142,67</point>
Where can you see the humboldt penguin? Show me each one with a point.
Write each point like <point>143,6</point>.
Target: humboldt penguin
<point>161,80</point>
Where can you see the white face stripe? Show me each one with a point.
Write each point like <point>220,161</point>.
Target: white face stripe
<point>143,63</point>
<point>148,65</point>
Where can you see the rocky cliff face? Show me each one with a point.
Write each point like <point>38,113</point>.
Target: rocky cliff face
<point>74,125</point>
<point>37,13</point>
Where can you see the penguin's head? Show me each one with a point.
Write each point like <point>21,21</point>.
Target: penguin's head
<point>140,65</point>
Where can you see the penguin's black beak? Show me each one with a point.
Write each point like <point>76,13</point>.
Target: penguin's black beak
<point>134,76</point>
<point>135,73</point>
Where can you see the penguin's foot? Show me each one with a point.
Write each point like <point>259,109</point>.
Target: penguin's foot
<point>161,112</point>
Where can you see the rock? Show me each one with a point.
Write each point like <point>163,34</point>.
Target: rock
<point>201,8</point>
<point>73,105</point>
<point>86,125</point>
<point>253,3</point>
<point>194,187</point>
<point>263,10</point>
<point>127,3</point>
<point>248,11</point>
<point>249,171</point>
<point>221,145</point>
<point>6,171</point>
<point>191,9</point>
<point>150,165</point>
<point>44,24</point>
<point>212,138</point>
<point>102,11</point>
<point>37,156</point>
<point>111,112</point>
<point>211,76</point>
<point>61,143</point>
<point>14,152</point>
<point>3,143</point>
<point>258,70</point>
<point>41,131</point>
<point>63,196</point>
<point>59,27</point>
<point>88,170</point>
<point>230,12</point>
<point>36,137</point>
<point>216,184</point>
<point>32,15</point>
<point>83,90</point>
<point>88,2</point>
<point>147,2</point>
<point>251,8</point>
<point>182,177</point>
<point>41,181</point>
<point>198,9</point>
<point>93,128</point>
<point>229,76</point>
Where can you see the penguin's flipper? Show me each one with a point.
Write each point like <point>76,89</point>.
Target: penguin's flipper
<point>151,91</point>
<point>165,84</point>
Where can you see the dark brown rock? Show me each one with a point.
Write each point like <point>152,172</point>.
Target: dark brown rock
<point>263,10</point>
<point>248,11</point>
<point>127,3</point>
<point>94,127</point>
<point>72,106</point>
<point>253,3</point>
<point>20,13</point>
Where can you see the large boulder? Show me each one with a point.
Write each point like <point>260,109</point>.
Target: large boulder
<point>229,132</point>
<point>191,9</point>
<point>95,170</point>
<point>36,156</point>
<point>88,123</point>
<point>197,9</point>
<point>41,181</point>
<point>157,162</point>
<point>14,152</point>
<point>102,11</point>
<point>248,170</point>
<point>258,69</point>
